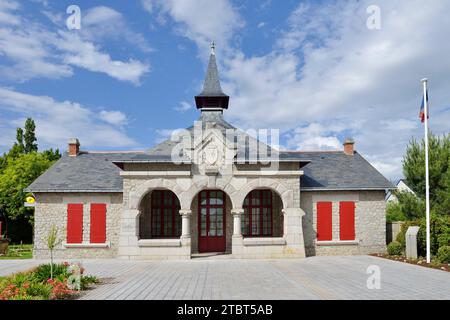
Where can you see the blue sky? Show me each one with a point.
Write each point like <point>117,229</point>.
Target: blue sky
<point>309,68</point>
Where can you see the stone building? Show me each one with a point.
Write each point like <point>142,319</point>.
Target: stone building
<point>210,189</point>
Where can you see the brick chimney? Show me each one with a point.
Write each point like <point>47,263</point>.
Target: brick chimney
<point>74,147</point>
<point>349,146</point>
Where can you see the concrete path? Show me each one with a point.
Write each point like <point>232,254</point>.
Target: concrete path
<point>213,278</point>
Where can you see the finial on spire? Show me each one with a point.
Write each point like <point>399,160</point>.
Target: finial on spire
<point>213,47</point>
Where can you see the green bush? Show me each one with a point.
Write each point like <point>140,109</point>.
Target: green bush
<point>394,212</point>
<point>42,272</point>
<point>19,279</point>
<point>395,248</point>
<point>443,254</point>
<point>41,290</point>
<point>439,233</point>
<point>87,280</point>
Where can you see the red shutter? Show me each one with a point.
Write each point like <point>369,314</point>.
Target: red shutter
<point>98,223</point>
<point>324,221</point>
<point>347,220</point>
<point>74,223</point>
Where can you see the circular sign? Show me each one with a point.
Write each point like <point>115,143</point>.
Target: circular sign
<point>30,200</point>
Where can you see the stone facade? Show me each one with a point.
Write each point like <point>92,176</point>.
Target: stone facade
<point>51,209</point>
<point>296,238</point>
<point>370,222</point>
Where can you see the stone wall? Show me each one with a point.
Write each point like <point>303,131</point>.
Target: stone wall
<point>51,209</point>
<point>370,222</point>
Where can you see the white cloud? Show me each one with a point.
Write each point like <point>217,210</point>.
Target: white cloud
<point>57,121</point>
<point>315,137</point>
<point>327,68</point>
<point>104,22</point>
<point>183,107</point>
<point>200,20</point>
<point>165,134</point>
<point>117,118</point>
<point>36,51</point>
<point>86,55</point>
<point>147,5</point>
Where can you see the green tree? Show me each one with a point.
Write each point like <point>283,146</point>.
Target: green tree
<point>52,155</point>
<point>19,142</point>
<point>30,136</point>
<point>52,243</point>
<point>439,171</point>
<point>18,174</point>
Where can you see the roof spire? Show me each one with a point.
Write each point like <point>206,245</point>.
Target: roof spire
<point>212,96</point>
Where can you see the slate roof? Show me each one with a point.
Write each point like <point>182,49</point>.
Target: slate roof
<point>96,172</point>
<point>87,172</point>
<point>334,170</point>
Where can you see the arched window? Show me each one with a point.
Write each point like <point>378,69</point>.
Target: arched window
<point>257,219</point>
<point>165,216</point>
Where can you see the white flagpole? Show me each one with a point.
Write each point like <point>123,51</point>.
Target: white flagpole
<point>427,182</point>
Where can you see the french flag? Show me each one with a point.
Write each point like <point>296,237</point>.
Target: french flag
<point>422,109</point>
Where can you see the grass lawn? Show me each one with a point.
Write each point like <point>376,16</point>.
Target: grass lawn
<point>18,251</point>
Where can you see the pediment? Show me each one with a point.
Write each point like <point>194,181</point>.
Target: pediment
<point>212,152</point>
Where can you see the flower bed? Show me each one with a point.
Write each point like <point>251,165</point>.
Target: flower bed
<point>37,284</point>
<point>419,262</point>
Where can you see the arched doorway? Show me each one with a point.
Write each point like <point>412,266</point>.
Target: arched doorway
<point>211,221</point>
<point>160,215</point>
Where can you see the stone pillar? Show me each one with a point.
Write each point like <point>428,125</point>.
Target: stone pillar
<point>185,227</point>
<point>237,242</point>
<point>237,216</point>
<point>128,238</point>
<point>293,231</point>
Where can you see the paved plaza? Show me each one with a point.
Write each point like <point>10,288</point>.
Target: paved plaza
<point>224,278</point>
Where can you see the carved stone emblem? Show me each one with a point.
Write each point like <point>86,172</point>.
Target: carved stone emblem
<point>211,155</point>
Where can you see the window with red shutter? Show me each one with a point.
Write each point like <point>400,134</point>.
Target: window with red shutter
<point>74,223</point>
<point>347,220</point>
<point>324,221</point>
<point>98,223</point>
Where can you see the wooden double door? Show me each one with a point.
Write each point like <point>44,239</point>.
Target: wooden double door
<point>211,221</point>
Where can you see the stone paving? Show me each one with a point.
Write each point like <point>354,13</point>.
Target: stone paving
<point>222,278</point>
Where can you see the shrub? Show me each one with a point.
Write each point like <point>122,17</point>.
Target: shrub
<point>443,254</point>
<point>43,272</point>
<point>439,233</point>
<point>394,212</point>
<point>395,248</point>
<point>87,280</point>
<point>41,290</point>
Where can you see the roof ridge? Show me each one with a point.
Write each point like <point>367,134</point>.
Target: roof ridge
<point>111,152</point>
<point>311,151</point>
